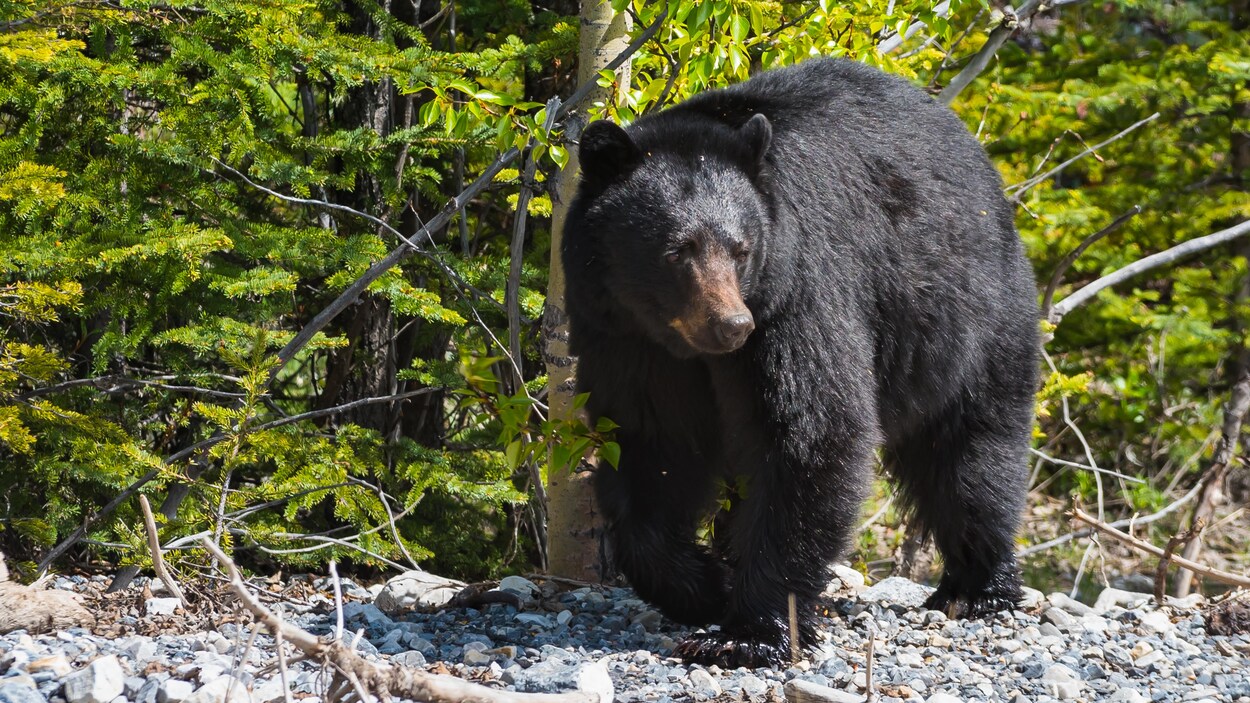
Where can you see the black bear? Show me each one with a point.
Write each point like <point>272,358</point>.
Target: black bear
<point>768,283</point>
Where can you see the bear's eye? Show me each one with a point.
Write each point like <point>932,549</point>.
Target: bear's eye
<point>680,254</point>
<point>742,254</point>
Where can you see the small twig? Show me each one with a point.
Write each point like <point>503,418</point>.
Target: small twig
<point>154,546</point>
<point>981,60</point>
<point>794,628</point>
<point>1019,189</point>
<point>1174,543</point>
<point>1086,467</point>
<point>1062,267</point>
<point>1217,574</point>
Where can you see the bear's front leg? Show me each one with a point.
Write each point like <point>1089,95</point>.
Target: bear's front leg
<point>805,439</point>
<point>651,505</point>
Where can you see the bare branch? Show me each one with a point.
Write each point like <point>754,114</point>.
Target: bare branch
<point>154,546</point>
<point>1019,189</point>
<point>1006,27</point>
<point>1143,546</point>
<point>1163,258</point>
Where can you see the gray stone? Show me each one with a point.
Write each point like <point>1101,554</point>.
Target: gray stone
<point>649,619</point>
<point>943,697</point>
<point>1074,607</point>
<point>753,685</point>
<point>416,588</point>
<point>12,691</point>
<point>99,682</point>
<point>1033,598</point>
<point>898,591</point>
<point>1058,617</point>
<point>799,691</point>
<point>849,578</point>
<point>1157,622</point>
<point>563,617</point>
<point>519,584</point>
<point>414,660</point>
<point>534,619</point>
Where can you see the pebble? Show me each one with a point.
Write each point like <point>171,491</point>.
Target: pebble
<point>99,682</point>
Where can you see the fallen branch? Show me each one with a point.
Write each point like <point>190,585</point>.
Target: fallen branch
<point>385,682</point>
<point>154,546</point>
<point>1163,258</point>
<point>1143,546</point>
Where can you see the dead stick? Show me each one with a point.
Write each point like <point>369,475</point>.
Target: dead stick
<point>1174,543</point>
<point>158,562</point>
<point>382,681</point>
<point>1217,574</point>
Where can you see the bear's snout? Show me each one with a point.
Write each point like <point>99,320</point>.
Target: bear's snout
<point>732,331</point>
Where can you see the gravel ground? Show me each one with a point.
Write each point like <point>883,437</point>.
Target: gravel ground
<point>607,640</point>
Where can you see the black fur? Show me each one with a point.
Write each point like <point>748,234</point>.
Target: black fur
<point>892,306</point>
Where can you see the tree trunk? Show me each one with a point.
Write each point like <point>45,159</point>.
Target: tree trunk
<point>572,533</point>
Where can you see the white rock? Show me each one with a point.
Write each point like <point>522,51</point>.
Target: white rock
<point>941,697</point>
<point>799,691</point>
<point>1064,690</point>
<point>594,679</point>
<point>99,682</point>
<point>1116,598</point>
<point>1127,695</point>
<point>519,584</point>
<point>849,577</point>
<point>175,691</point>
<point>416,588</point>
<point>1060,600</point>
<point>1059,672</point>
<point>161,606</point>
<point>563,617</point>
<point>226,689</point>
<point>1156,621</point>
<point>1032,598</point>
<point>704,683</point>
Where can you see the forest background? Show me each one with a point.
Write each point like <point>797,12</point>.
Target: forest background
<point>281,265</point>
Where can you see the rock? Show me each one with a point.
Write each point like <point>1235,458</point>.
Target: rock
<point>534,619</point>
<point>942,697</point>
<point>1116,598</point>
<point>1157,622</point>
<point>268,691</point>
<point>56,664</point>
<point>415,660</point>
<point>416,588</point>
<point>898,591</point>
<point>753,685</point>
<point>563,617</point>
<point>520,585</point>
<point>849,578</point>
<point>799,691</point>
<point>1058,617</point>
<point>225,689</point>
<point>1062,682</point>
<point>161,606</point>
<point>649,619</point>
<point>555,675</point>
<point>12,691</point>
<point>99,682</point>
<point>1033,598</point>
<point>175,691</point>
<point>703,682</point>
<point>1073,607</point>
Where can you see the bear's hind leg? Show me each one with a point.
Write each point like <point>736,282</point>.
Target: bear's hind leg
<point>964,475</point>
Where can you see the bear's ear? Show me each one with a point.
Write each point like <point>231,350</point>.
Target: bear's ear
<point>757,135</point>
<point>606,151</point>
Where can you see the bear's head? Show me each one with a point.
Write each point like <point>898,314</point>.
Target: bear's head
<point>678,222</point>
